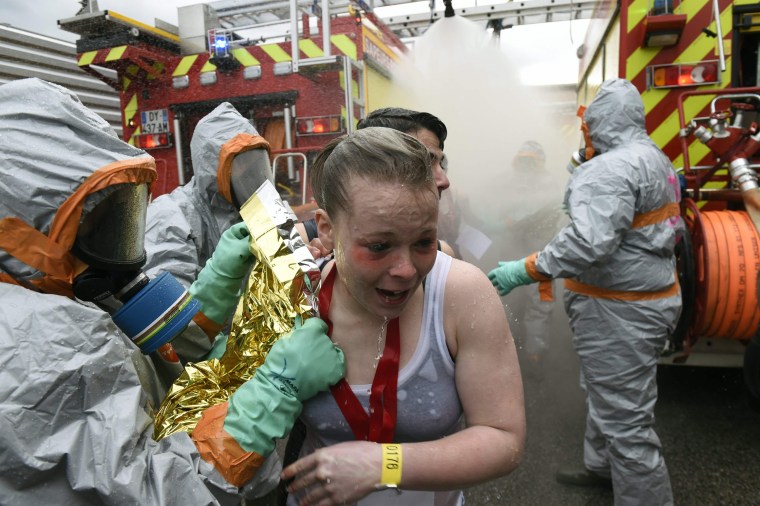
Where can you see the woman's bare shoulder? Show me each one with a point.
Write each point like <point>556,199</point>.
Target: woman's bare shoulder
<point>474,312</point>
<point>464,276</point>
<point>468,287</point>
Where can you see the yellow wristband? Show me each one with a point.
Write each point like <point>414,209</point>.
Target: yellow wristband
<point>391,473</point>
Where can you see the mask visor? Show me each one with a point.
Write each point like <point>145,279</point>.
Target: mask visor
<point>112,235</point>
<point>249,171</point>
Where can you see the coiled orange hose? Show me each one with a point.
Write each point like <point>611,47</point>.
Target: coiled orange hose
<point>729,262</point>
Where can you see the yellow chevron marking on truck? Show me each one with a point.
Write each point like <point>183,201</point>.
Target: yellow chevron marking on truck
<point>310,49</point>
<point>637,11</point>
<point>245,58</point>
<point>116,53</point>
<point>275,52</point>
<point>345,45</point>
<point>157,69</point>
<point>639,60</point>
<point>671,126</point>
<point>652,97</point>
<point>699,50</point>
<point>87,58</point>
<point>208,67</point>
<point>129,113</point>
<point>354,84</point>
<point>641,57</point>
<point>184,65</point>
<point>696,151</point>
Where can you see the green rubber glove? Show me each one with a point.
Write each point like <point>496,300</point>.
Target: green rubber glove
<point>299,365</point>
<point>219,282</point>
<point>509,275</point>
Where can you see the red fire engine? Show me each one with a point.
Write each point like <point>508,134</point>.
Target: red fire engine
<point>695,63</point>
<point>300,82</point>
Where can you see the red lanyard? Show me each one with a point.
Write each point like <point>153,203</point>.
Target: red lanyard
<point>380,424</point>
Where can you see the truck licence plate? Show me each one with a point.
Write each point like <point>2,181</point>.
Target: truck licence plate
<point>155,121</point>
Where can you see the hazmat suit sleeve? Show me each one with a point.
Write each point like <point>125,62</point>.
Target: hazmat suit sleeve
<point>171,247</point>
<point>76,421</point>
<point>600,205</point>
<point>169,242</point>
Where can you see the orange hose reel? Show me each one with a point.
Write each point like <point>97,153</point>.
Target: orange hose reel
<point>727,263</point>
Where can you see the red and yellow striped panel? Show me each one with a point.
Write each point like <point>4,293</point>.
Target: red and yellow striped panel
<point>130,123</point>
<point>266,53</point>
<point>661,105</point>
<point>134,62</point>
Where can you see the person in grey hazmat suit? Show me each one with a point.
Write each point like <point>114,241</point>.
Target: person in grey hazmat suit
<point>531,217</point>
<point>78,386</point>
<point>230,162</point>
<point>621,292</point>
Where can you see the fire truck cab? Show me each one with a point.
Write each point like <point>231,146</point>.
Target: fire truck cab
<point>301,81</point>
<point>695,63</point>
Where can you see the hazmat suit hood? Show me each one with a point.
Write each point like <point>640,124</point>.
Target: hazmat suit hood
<point>615,116</point>
<point>217,139</point>
<point>184,226</point>
<point>76,394</point>
<point>599,248</point>
<point>57,155</point>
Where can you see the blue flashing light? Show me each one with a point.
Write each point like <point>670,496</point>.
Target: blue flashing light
<point>220,43</point>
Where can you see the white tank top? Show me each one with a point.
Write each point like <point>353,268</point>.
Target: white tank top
<point>428,403</point>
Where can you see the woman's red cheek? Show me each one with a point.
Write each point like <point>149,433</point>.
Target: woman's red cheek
<point>363,257</point>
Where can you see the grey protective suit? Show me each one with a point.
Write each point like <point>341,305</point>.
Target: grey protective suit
<point>76,395</point>
<point>184,226</point>
<point>619,341</point>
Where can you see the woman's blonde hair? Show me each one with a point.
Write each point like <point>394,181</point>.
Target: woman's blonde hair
<point>377,154</point>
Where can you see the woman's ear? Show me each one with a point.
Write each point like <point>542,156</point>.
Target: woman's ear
<point>325,229</point>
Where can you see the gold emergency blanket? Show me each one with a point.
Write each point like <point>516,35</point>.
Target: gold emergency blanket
<point>282,285</point>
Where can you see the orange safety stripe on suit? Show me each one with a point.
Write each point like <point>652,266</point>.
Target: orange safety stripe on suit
<point>658,215</point>
<point>209,326</point>
<point>51,254</point>
<point>216,446</point>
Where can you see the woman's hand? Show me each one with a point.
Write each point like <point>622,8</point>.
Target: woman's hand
<point>335,475</point>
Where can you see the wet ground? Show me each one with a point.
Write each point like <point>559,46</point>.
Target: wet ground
<point>709,431</point>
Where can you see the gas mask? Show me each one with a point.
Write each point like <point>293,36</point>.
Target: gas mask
<point>249,171</point>
<point>586,153</point>
<point>530,158</point>
<point>110,240</point>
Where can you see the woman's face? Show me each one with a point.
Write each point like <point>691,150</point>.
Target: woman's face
<point>385,245</point>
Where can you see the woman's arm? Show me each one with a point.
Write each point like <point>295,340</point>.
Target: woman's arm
<point>490,389</point>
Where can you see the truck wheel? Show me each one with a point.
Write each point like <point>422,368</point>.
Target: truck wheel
<point>752,372</point>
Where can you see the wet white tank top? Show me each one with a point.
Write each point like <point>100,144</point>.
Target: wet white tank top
<point>428,403</point>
